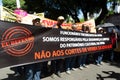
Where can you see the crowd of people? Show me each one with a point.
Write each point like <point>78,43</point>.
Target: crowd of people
<point>55,67</point>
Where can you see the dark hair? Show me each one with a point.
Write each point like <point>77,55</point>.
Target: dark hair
<point>84,27</point>
<point>87,28</point>
<point>37,19</point>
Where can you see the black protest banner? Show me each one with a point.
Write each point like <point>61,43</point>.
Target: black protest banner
<point>24,44</point>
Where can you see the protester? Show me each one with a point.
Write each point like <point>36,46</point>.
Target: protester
<point>99,55</point>
<point>33,71</point>
<point>36,22</point>
<point>113,37</point>
<point>60,21</point>
<point>70,61</point>
<point>82,58</point>
<point>56,65</point>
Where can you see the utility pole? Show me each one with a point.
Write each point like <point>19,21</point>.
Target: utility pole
<point>18,3</point>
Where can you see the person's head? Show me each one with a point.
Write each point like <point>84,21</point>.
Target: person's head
<point>87,29</point>
<point>36,22</point>
<point>60,20</point>
<point>100,30</point>
<point>74,27</point>
<point>84,27</point>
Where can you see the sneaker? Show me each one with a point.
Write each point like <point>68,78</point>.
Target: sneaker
<point>53,76</point>
<point>74,69</point>
<point>68,72</point>
<point>81,68</point>
<point>98,64</point>
<point>101,63</point>
<point>85,66</point>
<point>59,74</point>
<point>17,74</point>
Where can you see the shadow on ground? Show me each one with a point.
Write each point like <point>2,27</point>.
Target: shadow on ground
<point>13,77</point>
<point>111,75</point>
<point>22,75</point>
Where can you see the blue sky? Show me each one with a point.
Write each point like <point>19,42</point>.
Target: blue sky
<point>0,2</point>
<point>81,14</point>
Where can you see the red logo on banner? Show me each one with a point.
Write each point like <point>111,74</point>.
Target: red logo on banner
<point>17,41</point>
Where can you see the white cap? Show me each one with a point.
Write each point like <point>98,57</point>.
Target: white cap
<point>100,28</point>
<point>60,18</point>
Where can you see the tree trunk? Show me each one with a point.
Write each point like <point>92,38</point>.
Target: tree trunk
<point>103,13</point>
<point>85,14</point>
<point>73,13</point>
<point>75,16</point>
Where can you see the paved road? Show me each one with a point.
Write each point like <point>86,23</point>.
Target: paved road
<point>105,72</point>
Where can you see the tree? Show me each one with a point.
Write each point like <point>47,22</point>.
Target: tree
<point>35,5</point>
<point>103,5</point>
<point>114,3</point>
<point>55,8</point>
<point>11,4</point>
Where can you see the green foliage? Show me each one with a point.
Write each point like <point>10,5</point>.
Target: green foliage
<point>55,8</point>
<point>11,4</point>
<point>110,12</point>
<point>82,20</point>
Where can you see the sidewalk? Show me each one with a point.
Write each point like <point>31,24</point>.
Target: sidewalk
<point>105,72</point>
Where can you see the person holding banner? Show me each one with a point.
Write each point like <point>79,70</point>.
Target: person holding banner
<point>33,71</point>
<point>70,61</point>
<point>56,65</point>
<point>113,37</point>
<point>36,22</point>
<point>82,58</point>
<point>60,20</point>
<point>99,55</point>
